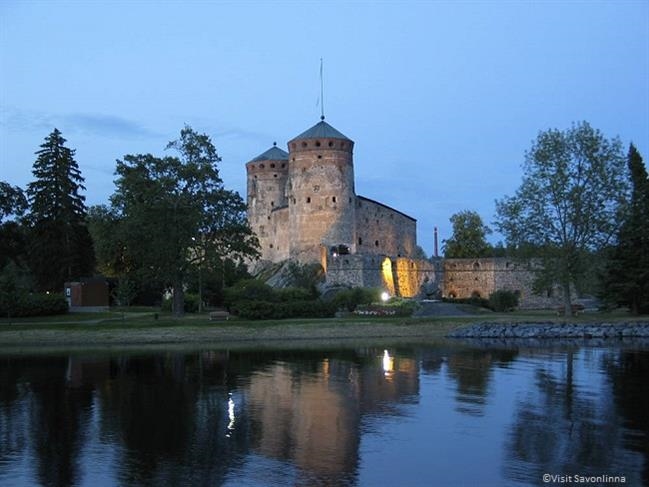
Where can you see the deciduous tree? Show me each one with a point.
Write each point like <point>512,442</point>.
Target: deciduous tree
<point>569,203</point>
<point>175,214</point>
<point>469,237</point>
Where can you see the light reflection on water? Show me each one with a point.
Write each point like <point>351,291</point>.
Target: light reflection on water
<point>425,415</point>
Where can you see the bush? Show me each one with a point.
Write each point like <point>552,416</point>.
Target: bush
<point>25,304</point>
<point>503,300</point>
<point>350,299</point>
<point>266,310</point>
<point>248,289</point>
<point>191,304</point>
<point>294,294</point>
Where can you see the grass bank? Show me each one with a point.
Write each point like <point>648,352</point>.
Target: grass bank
<point>145,328</point>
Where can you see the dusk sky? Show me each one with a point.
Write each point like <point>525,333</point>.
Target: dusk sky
<point>441,98</point>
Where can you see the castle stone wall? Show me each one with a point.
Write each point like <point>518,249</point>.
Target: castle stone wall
<point>399,277</point>
<point>321,196</point>
<point>466,278</point>
<point>267,180</point>
<point>381,230</point>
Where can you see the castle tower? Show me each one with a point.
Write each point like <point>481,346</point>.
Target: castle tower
<point>321,197</point>
<point>267,176</point>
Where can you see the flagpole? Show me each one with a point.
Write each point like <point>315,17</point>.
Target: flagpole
<point>321,93</point>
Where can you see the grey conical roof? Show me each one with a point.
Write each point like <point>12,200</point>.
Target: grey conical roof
<point>272,154</point>
<point>321,130</point>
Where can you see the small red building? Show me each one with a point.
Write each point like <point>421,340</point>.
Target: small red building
<point>87,292</point>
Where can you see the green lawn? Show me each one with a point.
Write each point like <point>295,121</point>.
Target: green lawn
<point>149,318</point>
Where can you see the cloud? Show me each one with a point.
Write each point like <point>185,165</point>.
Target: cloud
<point>106,126</point>
<point>94,124</point>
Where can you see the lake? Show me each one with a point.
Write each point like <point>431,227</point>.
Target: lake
<point>448,414</point>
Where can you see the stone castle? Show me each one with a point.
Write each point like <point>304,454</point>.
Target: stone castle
<point>303,206</point>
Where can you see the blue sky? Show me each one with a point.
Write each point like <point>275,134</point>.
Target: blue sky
<point>441,98</point>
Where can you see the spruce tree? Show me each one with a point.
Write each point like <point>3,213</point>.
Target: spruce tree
<point>60,247</point>
<point>626,280</point>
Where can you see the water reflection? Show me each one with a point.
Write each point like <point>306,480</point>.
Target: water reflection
<point>402,416</point>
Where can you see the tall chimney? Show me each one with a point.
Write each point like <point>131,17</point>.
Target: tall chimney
<point>436,253</point>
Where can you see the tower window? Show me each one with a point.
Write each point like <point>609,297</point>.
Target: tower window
<point>376,243</point>
<point>272,165</point>
<point>272,203</point>
<point>283,165</point>
<point>261,166</point>
<point>308,199</point>
<point>304,144</point>
<point>319,156</point>
<point>317,143</point>
<point>331,144</point>
<point>274,175</point>
<point>271,246</point>
<point>333,198</point>
<point>360,241</point>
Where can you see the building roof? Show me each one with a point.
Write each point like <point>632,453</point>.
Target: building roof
<point>321,130</point>
<point>272,154</point>
<point>386,206</point>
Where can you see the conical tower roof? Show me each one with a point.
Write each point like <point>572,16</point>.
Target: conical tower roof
<point>321,130</point>
<point>272,154</point>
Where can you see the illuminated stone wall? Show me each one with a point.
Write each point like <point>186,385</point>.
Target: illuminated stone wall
<point>400,276</point>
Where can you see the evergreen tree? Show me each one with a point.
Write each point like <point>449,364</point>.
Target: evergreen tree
<point>60,247</point>
<point>626,281</point>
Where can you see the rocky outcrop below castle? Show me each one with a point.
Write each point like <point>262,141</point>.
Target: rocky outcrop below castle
<point>553,330</point>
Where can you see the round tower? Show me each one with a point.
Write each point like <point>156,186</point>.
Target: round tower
<point>321,194</point>
<point>267,176</point>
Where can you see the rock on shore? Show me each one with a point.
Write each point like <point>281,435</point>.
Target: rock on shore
<point>552,330</point>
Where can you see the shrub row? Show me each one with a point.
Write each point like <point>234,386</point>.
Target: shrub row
<point>21,305</point>
<point>266,310</point>
<point>502,300</point>
<point>350,299</point>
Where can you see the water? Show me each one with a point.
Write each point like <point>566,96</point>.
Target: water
<point>449,415</point>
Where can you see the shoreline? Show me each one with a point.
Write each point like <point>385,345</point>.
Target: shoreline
<point>303,334</point>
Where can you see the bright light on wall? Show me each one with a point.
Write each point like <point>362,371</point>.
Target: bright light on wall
<point>385,296</point>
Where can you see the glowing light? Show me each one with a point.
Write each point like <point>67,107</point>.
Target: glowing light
<point>385,296</point>
<point>231,416</point>
<point>388,363</point>
<point>386,274</point>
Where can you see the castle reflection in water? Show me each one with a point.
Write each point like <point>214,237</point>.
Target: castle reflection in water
<point>273,418</point>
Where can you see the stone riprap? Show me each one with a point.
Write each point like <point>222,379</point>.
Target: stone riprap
<point>553,330</point>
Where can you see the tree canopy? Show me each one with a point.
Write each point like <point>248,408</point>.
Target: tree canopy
<point>60,247</point>
<point>570,201</point>
<point>469,237</point>
<point>174,214</point>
